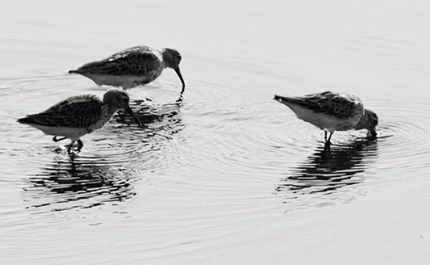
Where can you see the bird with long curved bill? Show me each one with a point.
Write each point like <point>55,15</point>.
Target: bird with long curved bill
<point>77,116</point>
<point>332,112</point>
<point>132,67</point>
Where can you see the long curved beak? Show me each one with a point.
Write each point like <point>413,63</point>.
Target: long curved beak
<point>178,71</point>
<point>130,111</point>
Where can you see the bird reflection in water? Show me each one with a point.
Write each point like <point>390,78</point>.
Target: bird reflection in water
<point>329,169</point>
<point>160,116</point>
<point>69,183</point>
<point>106,177</point>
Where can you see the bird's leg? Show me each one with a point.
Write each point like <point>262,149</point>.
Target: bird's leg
<point>78,149</point>
<point>325,135</point>
<point>69,148</point>
<point>55,139</point>
<point>80,145</point>
<point>328,141</point>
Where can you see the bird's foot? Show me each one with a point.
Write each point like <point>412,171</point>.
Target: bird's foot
<point>72,150</point>
<point>56,139</point>
<point>179,100</point>
<point>76,150</point>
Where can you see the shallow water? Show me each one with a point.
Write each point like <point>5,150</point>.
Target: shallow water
<point>228,175</point>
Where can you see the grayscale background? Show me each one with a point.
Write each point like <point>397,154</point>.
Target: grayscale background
<point>229,176</point>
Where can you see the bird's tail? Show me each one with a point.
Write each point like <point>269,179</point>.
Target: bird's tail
<point>282,99</point>
<point>277,97</point>
<point>25,120</point>
<point>74,72</point>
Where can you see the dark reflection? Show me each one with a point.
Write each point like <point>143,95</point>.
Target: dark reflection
<point>159,120</point>
<point>73,182</point>
<point>330,168</point>
<point>148,113</point>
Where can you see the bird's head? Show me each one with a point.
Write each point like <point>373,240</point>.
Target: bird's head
<point>172,58</point>
<point>117,99</point>
<point>369,121</point>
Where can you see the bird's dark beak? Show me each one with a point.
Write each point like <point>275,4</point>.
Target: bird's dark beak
<point>178,71</point>
<point>373,132</point>
<point>130,111</point>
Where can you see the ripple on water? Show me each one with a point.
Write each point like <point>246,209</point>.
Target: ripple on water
<point>403,134</point>
<point>69,183</point>
<point>242,150</point>
<point>250,143</point>
<point>327,176</point>
<point>106,173</point>
<point>109,164</point>
<point>330,176</point>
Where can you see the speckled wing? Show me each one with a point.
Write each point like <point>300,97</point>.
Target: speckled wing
<point>76,112</point>
<point>329,103</point>
<point>136,61</point>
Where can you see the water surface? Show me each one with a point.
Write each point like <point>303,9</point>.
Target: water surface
<point>228,175</point>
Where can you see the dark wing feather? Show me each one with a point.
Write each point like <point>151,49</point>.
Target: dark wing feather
<point>126,52</point>
<point>328,103</point>
<point>77,112</point>
<point>135,61</point>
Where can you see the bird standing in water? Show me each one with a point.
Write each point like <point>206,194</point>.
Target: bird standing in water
<point>79,115</point>
<point>132,67</point>
<point>332,112</point>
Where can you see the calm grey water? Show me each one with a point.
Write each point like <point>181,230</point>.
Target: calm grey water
<point>228,176</point>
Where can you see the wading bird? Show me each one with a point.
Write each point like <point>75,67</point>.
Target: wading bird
<point>332,112</point>
<point>132,67</point>
<point>76,116</point>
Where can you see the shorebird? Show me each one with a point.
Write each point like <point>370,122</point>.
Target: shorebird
<point>76,116</point>
<point>332,112</point>
<point>132,67</point>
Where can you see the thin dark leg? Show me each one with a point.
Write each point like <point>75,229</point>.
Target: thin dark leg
<point>69,148</point>
<point>325,135</point>
<point>80,145</point>
<point>328,141</point>
<point>55,139</point>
